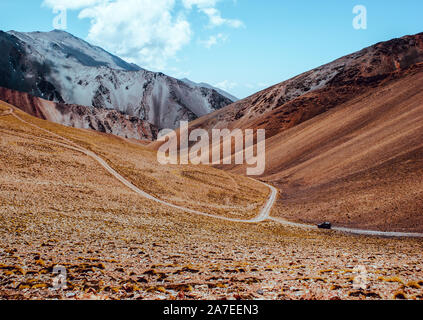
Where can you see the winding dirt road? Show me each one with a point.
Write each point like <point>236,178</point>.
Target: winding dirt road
<point>263,215</point>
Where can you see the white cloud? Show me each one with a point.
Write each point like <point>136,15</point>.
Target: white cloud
<point>226,85</point>
<point>216,19</point>
<point>177,73</point>
<point>147,32</point>
<point>199,3</point>
<point>141,31</point>
<point>208,8</point>
<point>214,40</point>
<point>70,4</point>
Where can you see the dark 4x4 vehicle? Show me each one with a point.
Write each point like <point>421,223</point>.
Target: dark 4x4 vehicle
<point>325,225</point>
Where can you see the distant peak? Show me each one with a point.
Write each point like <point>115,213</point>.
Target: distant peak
<point>52,32</point>
<point>62,33</point>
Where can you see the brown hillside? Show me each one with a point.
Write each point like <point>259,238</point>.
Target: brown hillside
<point>358,165</point>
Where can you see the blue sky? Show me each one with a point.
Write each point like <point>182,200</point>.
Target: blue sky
<point>242,46</point>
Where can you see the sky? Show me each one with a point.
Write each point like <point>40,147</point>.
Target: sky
<point>241,46</point>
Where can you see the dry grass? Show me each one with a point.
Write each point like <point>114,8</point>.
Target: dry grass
<point>197,187</point>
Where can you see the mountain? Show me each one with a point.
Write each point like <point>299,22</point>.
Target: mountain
<point>345,140</point>
<point>208,86</point>
<point>59,67</point>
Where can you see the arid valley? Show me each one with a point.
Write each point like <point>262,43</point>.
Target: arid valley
<point>81,187</point>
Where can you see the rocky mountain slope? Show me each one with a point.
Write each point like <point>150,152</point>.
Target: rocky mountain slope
<point>99,119</point>
<point>301,98</point>
<point>62,68</point>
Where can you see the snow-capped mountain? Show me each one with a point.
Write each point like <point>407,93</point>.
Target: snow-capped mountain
<point>209,86</point>
<point>60,67</point>
<point>59,45</point>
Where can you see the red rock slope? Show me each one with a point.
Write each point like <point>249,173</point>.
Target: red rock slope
<point>103,120</point>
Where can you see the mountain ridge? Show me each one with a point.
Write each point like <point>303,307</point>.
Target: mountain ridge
<point>291,102</point>
<point>67,43</point>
